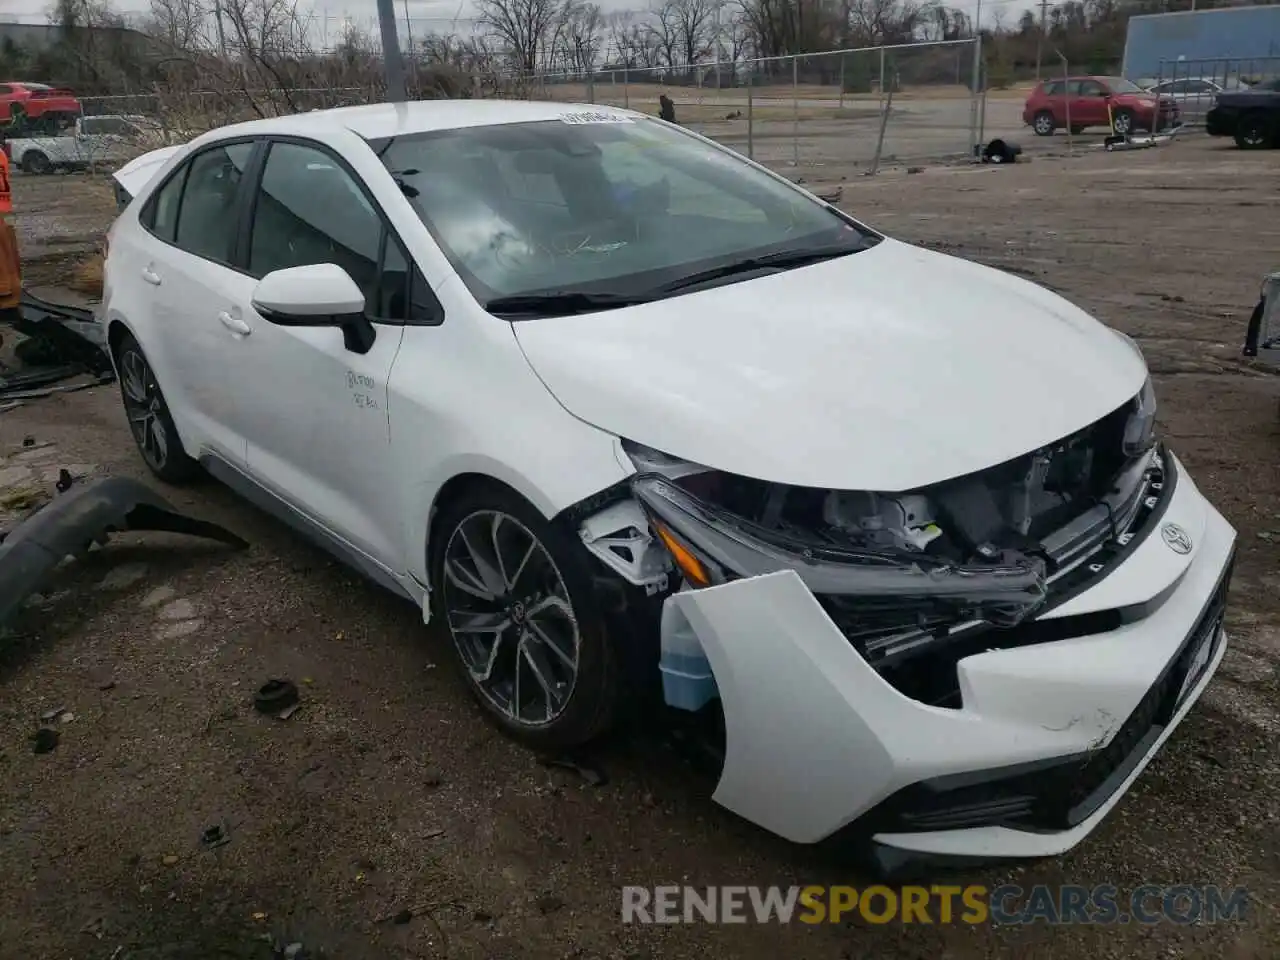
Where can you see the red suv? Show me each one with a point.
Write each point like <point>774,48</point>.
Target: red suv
<point>1084,102</point>
<point>33,103</point>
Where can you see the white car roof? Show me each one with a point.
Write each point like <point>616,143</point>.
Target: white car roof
<point>377,120</point>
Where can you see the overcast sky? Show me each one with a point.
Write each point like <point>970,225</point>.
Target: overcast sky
<point>425,15</point>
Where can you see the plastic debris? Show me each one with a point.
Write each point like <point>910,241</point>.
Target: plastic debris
<point>588,773</point>
<point>214,836</point>
<point>45,740</point>
<point>275,696</point>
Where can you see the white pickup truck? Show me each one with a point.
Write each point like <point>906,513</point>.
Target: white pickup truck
<point>93,140</point>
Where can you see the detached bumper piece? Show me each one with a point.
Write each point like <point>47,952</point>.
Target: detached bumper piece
<point>73,333</point>
<point>1262,340</point>
<point>84,515</point>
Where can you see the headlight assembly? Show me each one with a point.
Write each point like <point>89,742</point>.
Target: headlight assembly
<point>712,546</point>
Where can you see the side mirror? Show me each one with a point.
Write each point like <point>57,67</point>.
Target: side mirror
<point>316,295</point>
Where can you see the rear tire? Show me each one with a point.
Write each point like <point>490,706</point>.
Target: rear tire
<point>149,419</point>
<point>1043,124</point>
<point>1254,131</point>
<point>528,633</point>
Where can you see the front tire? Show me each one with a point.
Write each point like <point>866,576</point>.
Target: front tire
<point>528,633</point>
<point>1253,132</point>
<point>36,162</point>
<point>1043,124</point>
<point>149,419</point>
<point>1122,122</point>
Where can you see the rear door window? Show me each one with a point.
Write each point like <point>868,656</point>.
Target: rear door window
<point>206,216</point>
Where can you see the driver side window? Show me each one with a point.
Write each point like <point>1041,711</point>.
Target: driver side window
<point>310,210</point>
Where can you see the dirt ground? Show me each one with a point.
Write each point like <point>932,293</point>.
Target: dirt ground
<point>386,798</point>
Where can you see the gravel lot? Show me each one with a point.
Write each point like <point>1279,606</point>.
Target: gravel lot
<point>386,792</point>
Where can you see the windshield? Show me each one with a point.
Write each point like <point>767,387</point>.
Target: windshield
<point>612,205</point>
<point>1121,85</point>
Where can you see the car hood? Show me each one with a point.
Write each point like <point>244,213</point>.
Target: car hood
<point>885,370</point>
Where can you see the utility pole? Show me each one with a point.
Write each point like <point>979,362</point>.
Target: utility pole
<point>408,31</point>
<point>222,37</point>
<point>392,63</point>
<point>1044,6</point>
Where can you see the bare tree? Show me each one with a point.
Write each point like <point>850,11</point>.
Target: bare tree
<point>665,29</point>
<point>634,40</point>
<point>694,20</point>
<point>182,24</point>
<point>525,27</point>
<point>581,36</point>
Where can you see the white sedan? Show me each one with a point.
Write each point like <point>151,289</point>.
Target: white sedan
<point>631,414</point>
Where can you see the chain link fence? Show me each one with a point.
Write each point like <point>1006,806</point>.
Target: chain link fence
<point>1193,84</point>
<point>843,108</point>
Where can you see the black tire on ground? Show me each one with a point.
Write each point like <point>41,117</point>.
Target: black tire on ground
<point>1043,124</point>
<point>1123,122</point>
<point>1254,131</point>
<point>596,696</point>
<point>149,419</point>
<point>33,161</point>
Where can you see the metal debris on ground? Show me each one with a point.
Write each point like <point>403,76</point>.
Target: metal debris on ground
<point>588,773</point>
<point>50,715</point>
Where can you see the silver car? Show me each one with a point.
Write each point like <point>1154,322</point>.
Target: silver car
<point>1193,95</point>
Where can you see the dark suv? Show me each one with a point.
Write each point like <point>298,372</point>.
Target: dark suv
<point>1251,116</point>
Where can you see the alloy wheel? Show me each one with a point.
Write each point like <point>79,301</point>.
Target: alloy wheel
<point>1122,123</point>
<point>511,618</point>
<point>143,405</point>
<point>1253,136</point>
<point>1044,125</point>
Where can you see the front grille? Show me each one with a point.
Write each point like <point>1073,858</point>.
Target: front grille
<point>1058,794</point>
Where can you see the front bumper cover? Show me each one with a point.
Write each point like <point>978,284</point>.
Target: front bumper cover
<point>816,739</point>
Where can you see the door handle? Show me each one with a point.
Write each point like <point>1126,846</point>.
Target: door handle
<point>151,276</point>
<point>234,324</point>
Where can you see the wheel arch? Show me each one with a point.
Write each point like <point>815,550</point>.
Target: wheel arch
<point>548,493</point>
<point>117,329</point>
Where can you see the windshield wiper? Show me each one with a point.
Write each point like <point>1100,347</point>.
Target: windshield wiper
<point>784,260</point>
<point>559,303</point>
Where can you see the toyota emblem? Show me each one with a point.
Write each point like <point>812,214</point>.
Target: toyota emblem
<point>1179,540</point>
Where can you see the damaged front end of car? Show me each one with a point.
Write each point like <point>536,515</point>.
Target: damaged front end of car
<point>909,578</point>
<point>978,667</point>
